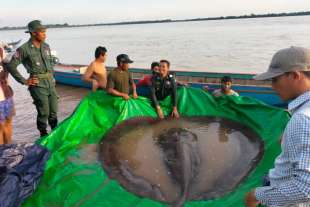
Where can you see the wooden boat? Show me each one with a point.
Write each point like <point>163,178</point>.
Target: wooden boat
<point>244,84</point>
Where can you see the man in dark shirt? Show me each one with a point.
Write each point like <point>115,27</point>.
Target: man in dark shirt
<point>164,85</point>
<point>119,80</point>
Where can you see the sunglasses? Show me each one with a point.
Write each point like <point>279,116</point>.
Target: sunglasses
<point>275,79</point>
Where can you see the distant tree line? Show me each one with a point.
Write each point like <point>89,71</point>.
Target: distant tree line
<point>170,20</point>
<point>251,16</point>
<point>48,25</point>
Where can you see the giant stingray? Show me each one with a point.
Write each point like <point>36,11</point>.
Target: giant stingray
<point>176,160</point>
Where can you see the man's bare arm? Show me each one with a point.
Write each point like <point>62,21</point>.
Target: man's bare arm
<point>134,90</point>
<point>87,75</point>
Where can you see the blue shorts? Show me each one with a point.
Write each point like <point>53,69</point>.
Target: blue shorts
<point>6,109</point>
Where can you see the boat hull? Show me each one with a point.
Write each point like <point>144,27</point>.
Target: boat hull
<point>69,75</point>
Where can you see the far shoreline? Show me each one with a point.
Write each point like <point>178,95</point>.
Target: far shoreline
<point>251,16</point>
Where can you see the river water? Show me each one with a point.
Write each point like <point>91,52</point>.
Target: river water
<point>239,45</point>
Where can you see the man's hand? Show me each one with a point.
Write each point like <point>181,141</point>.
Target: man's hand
<point>206,88</point>
<point>125,96</point>
<point>250,199</point>
<point>159,112</point>
<point>175,113</point>
<point>32,81</point>
<point>280,140</point>
<point>135,95</point>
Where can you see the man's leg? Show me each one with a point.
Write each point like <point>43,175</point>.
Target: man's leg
<point>2,133</point>
<point>8,131</point>
<point>53,105</point>
<point>40,100</point>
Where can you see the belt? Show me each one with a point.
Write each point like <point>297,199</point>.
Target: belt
<point>43,75</point>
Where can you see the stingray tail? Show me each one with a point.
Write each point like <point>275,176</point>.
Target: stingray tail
<point>180,202</point>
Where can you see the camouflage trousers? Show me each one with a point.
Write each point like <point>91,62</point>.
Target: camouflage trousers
<point>46,102</point>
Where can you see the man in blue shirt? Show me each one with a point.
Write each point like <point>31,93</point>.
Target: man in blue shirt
<point>289,186</point>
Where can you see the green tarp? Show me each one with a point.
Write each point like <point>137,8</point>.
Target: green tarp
<point>73,176</point>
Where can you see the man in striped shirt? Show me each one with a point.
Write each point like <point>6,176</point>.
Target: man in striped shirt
<point>290,178</point>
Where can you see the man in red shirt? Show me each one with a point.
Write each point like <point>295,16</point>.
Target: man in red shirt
<point>147,80</point>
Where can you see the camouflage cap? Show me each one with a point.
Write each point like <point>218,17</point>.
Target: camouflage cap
<point>35,26</point>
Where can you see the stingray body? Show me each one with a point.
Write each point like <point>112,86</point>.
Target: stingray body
<point>177,160</point>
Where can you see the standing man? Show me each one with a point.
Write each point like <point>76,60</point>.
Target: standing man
<point>120,82</point>
<point>290,178</point>
<point>36,57</point>
<point>96,72</point>
<point>163,85</point>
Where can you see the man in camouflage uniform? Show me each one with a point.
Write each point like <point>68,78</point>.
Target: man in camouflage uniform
<point>36,57</point>
<point>163,85</point>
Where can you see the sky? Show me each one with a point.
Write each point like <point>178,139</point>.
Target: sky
<point>20,12</point>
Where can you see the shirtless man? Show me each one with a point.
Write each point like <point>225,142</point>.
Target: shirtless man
<point>96,72</point>
<point>226,83</point>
